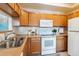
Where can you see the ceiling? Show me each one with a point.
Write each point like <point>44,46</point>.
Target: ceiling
<point>61,8</point>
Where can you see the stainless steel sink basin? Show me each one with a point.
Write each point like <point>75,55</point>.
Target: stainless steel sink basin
<point>12,42</point>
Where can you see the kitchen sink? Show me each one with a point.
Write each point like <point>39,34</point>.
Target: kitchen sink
<point>12,42</point>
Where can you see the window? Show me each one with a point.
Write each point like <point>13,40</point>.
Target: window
<point>5,22</point>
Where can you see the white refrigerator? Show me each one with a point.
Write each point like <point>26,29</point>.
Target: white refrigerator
<point>73,36</point>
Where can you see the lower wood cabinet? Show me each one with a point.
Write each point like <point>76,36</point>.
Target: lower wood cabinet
<point>34,47</point>
<point>61,43</point>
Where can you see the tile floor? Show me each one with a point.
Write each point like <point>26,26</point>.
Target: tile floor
<point>59,54</point>
<point>55,54</point>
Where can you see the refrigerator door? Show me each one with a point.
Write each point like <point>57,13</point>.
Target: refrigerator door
<point>73,43</point>
<point>73,24</point>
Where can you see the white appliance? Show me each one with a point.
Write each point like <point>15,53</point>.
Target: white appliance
<point>73,36</point>
<point>48,45</point>
<point>46,23</point>
<point>48,41</point>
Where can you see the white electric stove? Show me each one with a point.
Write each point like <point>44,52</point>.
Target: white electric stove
<point>48,45</point>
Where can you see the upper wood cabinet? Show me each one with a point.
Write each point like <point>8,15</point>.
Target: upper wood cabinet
<point>73,15</point>
<point>16,9</point>
<point>7,8</point>
<point>46,16</point>
<point>34,19</point>
<point>24,18</point>
<point>60,20</point>
<point>22,14</point>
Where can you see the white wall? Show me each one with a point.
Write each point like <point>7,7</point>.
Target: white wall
<point>16,21</point>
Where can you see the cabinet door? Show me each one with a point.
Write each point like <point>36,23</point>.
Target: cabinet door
<point>34,19</point>
<point>61,44</point>
<point>49,16</point>
<point>35,46</point>
<point>60,20</point>
<point>24,18</point>
<point>46,16</point>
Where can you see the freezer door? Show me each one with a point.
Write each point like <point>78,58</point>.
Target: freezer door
<point>73,24</point>
<point>73,43</point>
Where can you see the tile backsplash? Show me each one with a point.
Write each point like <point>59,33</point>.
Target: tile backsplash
<point>29,30</point>
<point>62,30</point>
<point>25,30</point>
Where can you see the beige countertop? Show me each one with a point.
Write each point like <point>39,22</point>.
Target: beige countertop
<point>16,51</point>
<point>47,35</point>
<point>62,34</point>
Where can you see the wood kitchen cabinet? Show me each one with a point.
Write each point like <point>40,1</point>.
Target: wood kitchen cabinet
<point>16,9</point>
<point>24,18</point>
<point>33,47</point>
<point>73,15</point>
<point>34,19</point>
<point>26,49</point>
<point>61,43</point>
<point>60,20</point>
<point>46,16</point>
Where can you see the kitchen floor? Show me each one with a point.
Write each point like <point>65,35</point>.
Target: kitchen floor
<point>59,54</point>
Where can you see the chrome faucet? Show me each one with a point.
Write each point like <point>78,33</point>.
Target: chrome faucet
<point>10,40</point>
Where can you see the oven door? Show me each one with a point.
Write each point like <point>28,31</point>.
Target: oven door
<point>48,45</point>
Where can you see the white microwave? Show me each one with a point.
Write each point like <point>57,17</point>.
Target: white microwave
<point>46,23</point>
